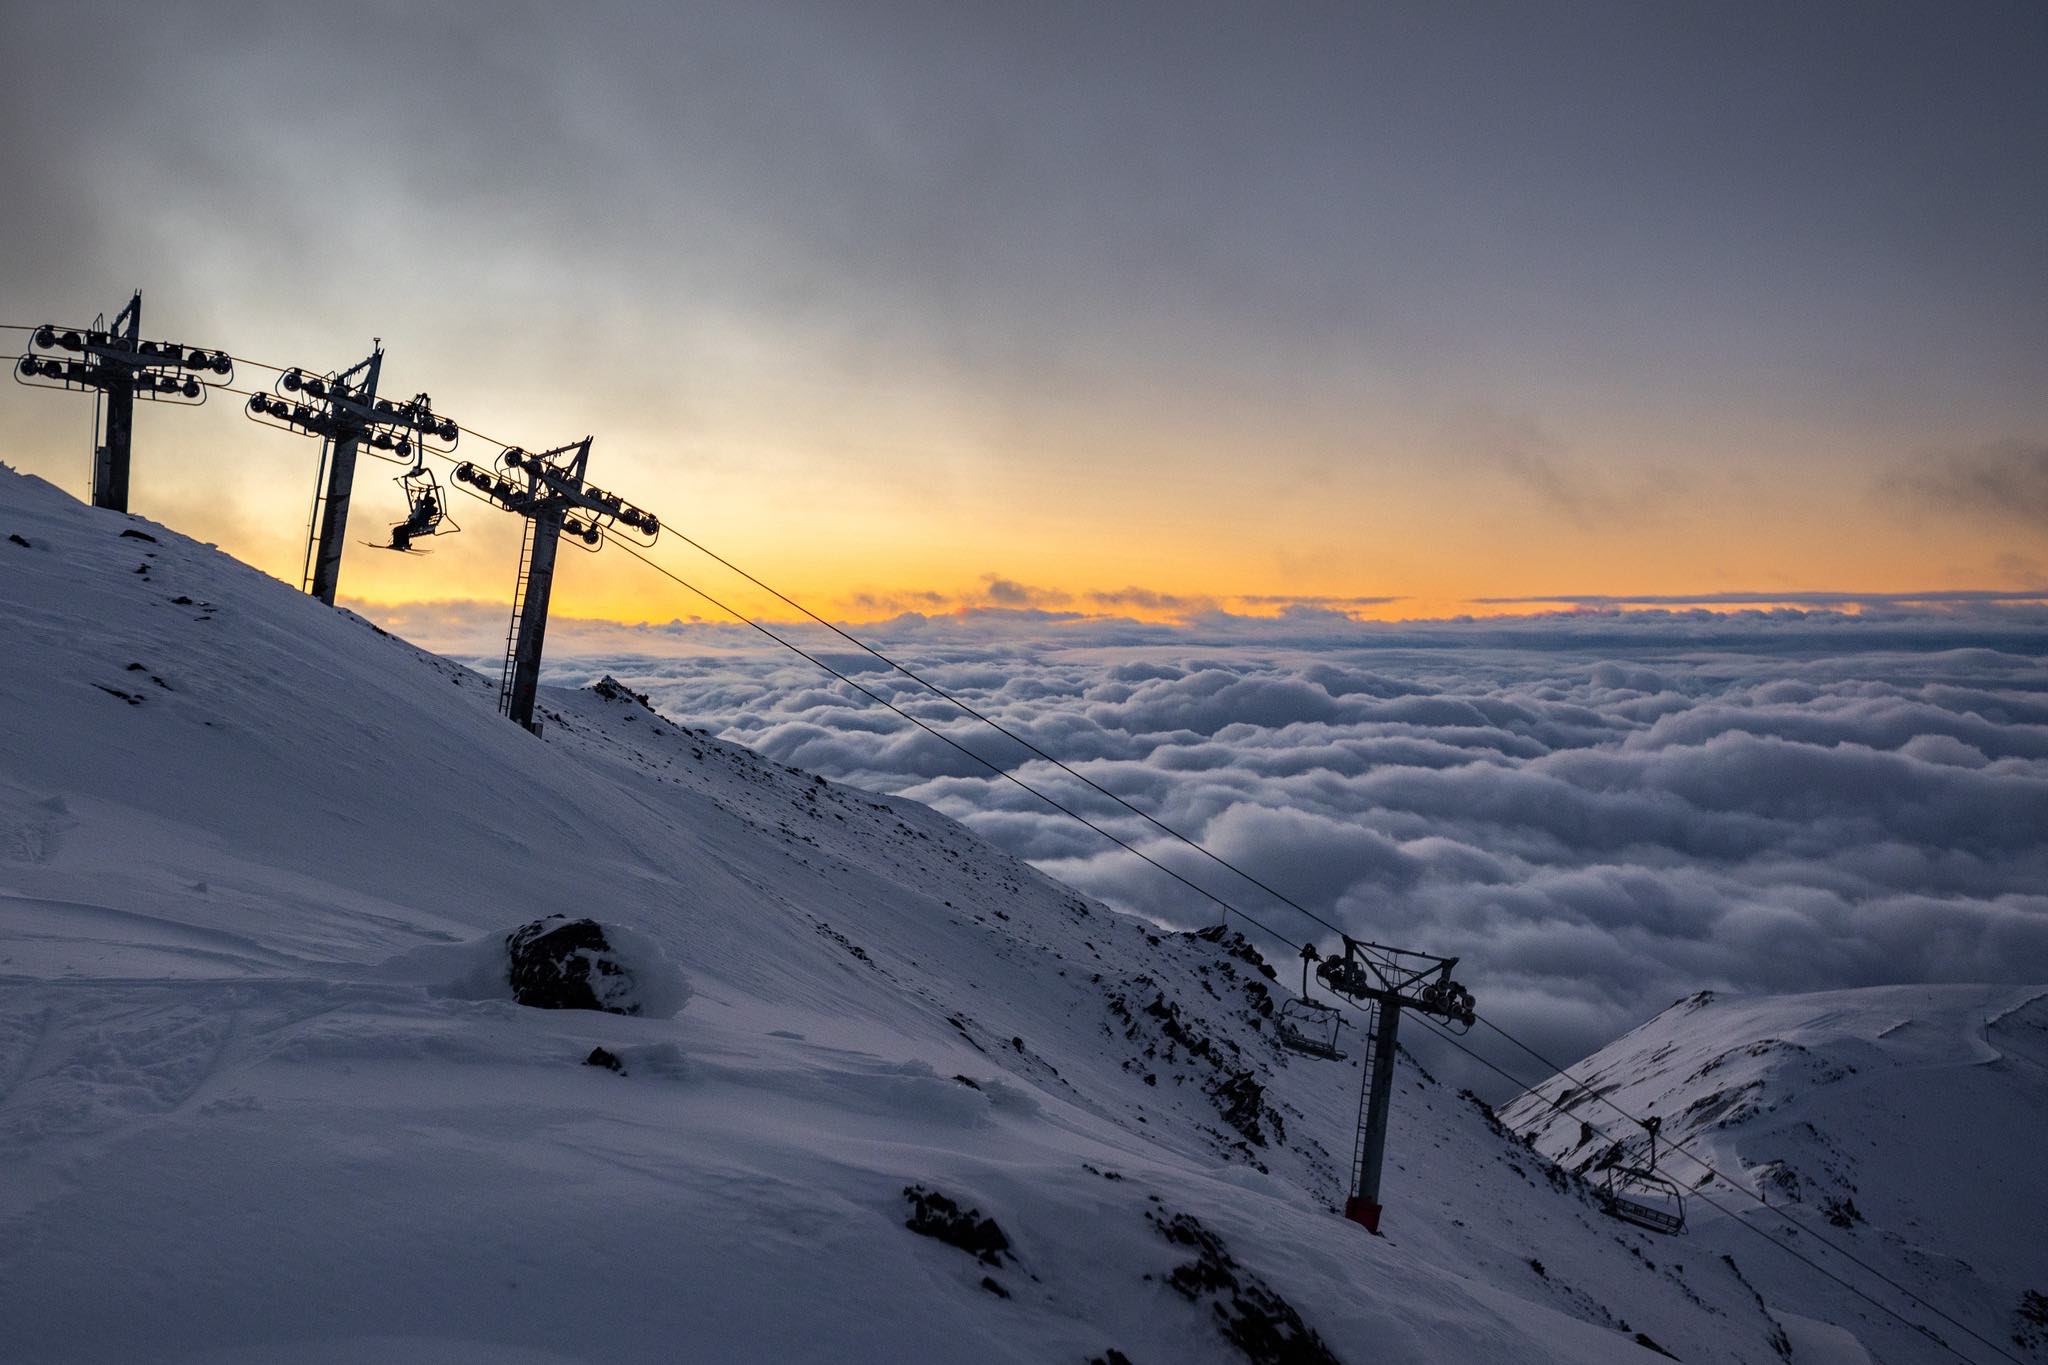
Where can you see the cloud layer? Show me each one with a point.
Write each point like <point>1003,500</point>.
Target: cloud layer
<point>1598,811</point>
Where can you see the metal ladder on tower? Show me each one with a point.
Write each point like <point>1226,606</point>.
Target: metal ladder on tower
<point>518,609</point>
<point>1365,1061</point>
<point>312,517</point>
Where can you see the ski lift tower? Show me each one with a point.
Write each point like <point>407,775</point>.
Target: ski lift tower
<point>1389,980</point>
<point>548,490</point>
<point>117,366</point>
<point>343,409</point>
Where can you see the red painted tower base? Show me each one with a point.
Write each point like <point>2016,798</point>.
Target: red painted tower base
<point>1363,1212</point>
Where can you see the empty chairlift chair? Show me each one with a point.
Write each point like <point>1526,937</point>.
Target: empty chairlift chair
<point>1637,1194</point>
<point>1309,1026</point>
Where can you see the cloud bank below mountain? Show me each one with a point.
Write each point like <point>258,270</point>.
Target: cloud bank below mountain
<point>1598,811</point>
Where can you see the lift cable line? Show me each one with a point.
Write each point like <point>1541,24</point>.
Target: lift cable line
<point>1011,735</point>
<point>951,742</point>
<point>1051,801</point>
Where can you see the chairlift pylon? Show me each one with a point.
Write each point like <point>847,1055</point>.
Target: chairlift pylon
<point>1639,1195</point>
<point>1306,1025</point>
<point>1387,981</point>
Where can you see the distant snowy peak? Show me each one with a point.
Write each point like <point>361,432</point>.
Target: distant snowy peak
<point>1712,1065</point>
<point>1900,1123</point>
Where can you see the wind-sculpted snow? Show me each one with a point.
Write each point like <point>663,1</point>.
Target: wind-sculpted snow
<point>1599,812</point>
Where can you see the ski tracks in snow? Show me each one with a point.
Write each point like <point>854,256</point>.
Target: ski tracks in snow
<point>90,1062</point>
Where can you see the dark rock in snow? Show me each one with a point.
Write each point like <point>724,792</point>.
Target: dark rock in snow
<point>605,1058</point>
<point>934,1215</point>
<point>21,542</point>
<point>611,689</point>
<point>2033,1316</point>
<point>132,534</point>
<point>1249,1314</point>
<point>1239,947</point>
<point>559,963</point>
<point>1242,1100</point>
<point>1843,1213</point>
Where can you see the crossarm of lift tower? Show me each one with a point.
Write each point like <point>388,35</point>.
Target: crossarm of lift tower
<point>1398,976</point>
<point>112,362</point>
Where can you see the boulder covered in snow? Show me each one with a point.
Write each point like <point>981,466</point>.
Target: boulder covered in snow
<point>558,963</point>
<point>552,963</point>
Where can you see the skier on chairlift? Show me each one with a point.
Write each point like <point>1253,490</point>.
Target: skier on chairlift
<point>425,513</point>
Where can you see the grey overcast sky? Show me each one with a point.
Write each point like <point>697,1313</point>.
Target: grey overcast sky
<point>1430,301</point>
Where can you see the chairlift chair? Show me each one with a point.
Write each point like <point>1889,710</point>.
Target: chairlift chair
<point>428,510</point>
<point>1309,1026</point>
<point>1639,1195</point>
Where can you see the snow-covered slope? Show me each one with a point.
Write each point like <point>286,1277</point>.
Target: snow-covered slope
<point>1902,1124</point>
<point>257,1103</point>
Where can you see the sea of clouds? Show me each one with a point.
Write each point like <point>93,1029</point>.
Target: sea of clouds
<point>1598,811</point>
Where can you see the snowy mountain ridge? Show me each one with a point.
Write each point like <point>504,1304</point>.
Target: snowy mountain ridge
<point>257,1103</point>
<point>1900,1121</point>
